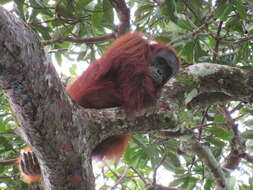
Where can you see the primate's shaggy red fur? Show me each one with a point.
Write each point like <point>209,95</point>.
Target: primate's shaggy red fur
<point>120,78</point>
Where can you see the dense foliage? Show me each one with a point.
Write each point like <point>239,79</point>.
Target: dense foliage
<point>77,32</point>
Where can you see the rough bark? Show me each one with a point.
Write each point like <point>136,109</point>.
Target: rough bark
<point>206,83</point>
<point>48,120</point>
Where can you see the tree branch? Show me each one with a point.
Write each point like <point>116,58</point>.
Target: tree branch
<point>205,84</point>
<point>124,17</point>
<point>79,40</point>
<point>8,162</point>
<point>43,109</point>
<point>205,154</point>
<point>123,13</point>
<point>238,144</point>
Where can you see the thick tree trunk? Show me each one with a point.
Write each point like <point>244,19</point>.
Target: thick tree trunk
<point>48,120</point>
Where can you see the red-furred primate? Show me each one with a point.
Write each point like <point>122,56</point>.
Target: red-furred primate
<point>129,75</point>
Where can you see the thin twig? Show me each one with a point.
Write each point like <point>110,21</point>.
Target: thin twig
<point>157,167</point>
<point>79,40</point>
<point>217,43</point>
<point>202,122</point>
<point>121,178</point>
<point>8,162</point>
<point>240,41</point>
<point>139,175</point>
<point>123,13</point>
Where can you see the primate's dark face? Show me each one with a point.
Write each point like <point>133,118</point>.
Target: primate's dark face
<point>163,66</point>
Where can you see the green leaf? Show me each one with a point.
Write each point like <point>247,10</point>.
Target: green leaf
<point>235,24</point>
<point>2,2</point>
<point>248,122</point>
<point>142,10</point>
<point>169,9</point>
<point>58,57</point>
<point>221,132</point>
<point>6,143</point>
<point>66,9</point>
<point>223,11</point>
<point>83,3</point>
<point>188,51</point>
<point>174,159</point>
<point>208,184</point>
<point>73,69</point>
<point>198,51</point>
<point>82,55</point>
<point>185,182</point>
<point>63,31</point>
<point>41,8</point>
<point>215,141</point>
<point>211,42</point>
<point>184,24</point>
<point>98,15</point>
<point>238,5</point>
<point>20,6</point>
<point>248,134</point>
<point>219,118</point>
<point>108,18</point>
<point>44,31</point>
